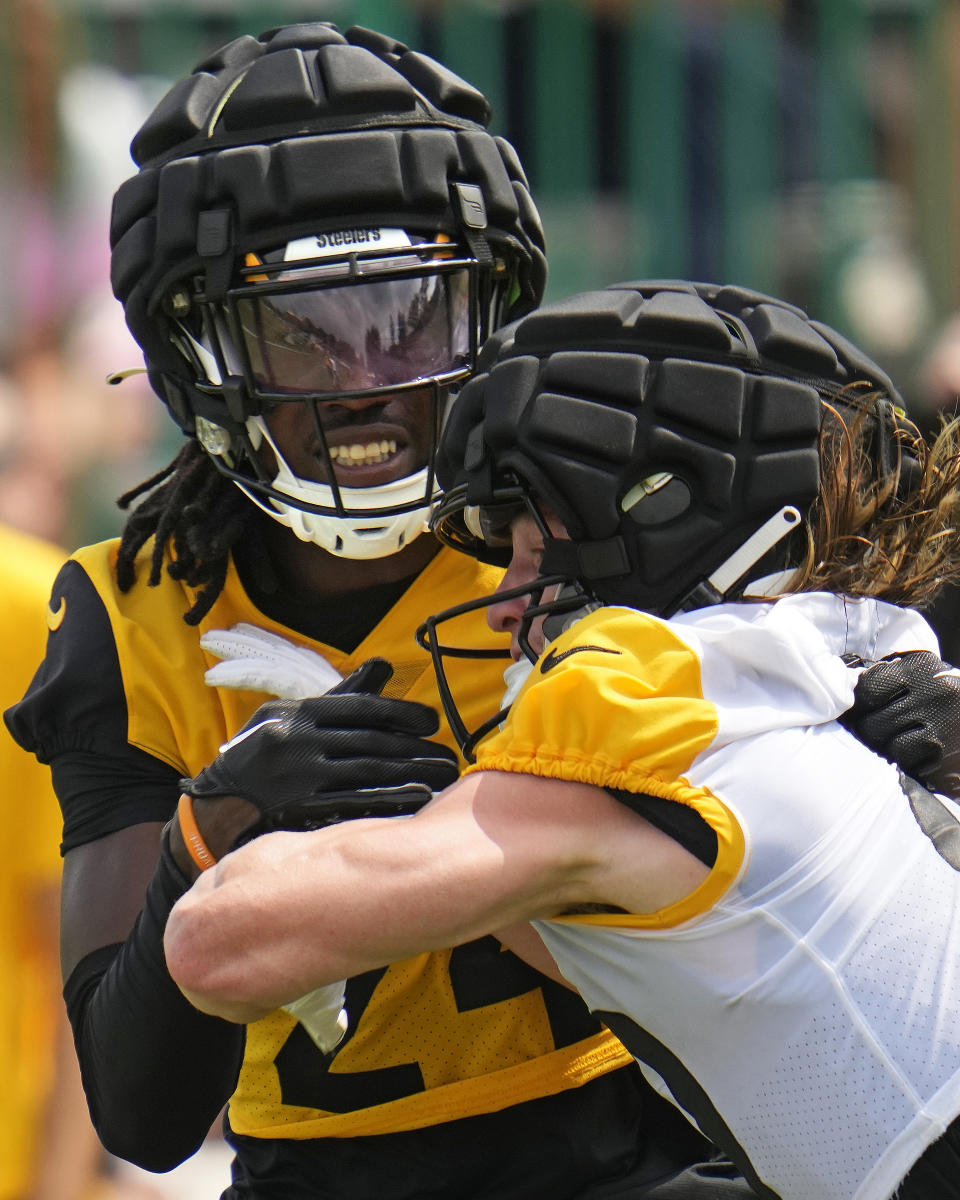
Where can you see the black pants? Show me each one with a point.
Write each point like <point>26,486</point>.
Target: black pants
<point>936,1173</point>
<point>716,1179</point>
<point>934,1176</point>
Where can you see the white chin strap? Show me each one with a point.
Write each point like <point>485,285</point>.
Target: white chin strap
<point>356,536</point>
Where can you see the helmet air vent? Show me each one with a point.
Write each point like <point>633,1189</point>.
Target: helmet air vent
<point>657,498</point>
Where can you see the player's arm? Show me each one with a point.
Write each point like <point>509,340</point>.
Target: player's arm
<point>292,911</point>
<point>129,1019</point>
<point>907,708</point>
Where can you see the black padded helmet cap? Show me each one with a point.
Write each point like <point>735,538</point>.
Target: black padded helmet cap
<point>256,88</point>
<point>291,133</point>
<point>674,417</point>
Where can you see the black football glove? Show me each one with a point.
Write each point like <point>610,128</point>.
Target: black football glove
<point>906,707</point>
<point>350,753</point>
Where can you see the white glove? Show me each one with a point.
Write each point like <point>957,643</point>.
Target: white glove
<point>322,1015</point>
<point>261,661</point>
<point>515,676</point>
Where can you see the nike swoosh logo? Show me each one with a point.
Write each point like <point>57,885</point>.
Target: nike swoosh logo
<point>245,733</point>
<point>55,615</point>
<point>551,658</point>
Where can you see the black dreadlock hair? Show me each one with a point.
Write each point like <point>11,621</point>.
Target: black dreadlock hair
<point>199,513</point>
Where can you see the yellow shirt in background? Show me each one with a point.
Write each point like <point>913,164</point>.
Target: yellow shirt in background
<point>29,880</point>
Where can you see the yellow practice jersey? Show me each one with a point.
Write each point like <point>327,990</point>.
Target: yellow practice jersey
<point>435,1038</point>
<point>29,882</point>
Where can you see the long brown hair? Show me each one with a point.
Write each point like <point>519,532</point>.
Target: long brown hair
<point>887,521</point>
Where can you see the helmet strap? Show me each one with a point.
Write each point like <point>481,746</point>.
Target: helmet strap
<point>215,247</point>
<point>715,588</point>
<point>473,221</point>
<point>587,561</point>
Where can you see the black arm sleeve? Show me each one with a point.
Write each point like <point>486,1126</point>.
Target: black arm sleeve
<point>101,793</point>
<point>155,1070</point>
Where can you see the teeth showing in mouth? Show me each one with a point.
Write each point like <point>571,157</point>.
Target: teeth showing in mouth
<point>368,455</point>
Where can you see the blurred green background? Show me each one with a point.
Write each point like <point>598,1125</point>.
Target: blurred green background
<point>801,147</point>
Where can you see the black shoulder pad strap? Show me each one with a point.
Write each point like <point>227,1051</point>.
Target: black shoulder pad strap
<point>684,824</point>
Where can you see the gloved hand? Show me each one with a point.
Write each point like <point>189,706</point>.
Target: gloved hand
<point>351,753</point>
<point>261,661</point>
<point>906,707</point>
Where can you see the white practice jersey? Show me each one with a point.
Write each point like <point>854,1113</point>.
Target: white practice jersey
<point>804,1003</point>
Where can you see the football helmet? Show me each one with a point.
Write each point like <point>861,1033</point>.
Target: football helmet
<point>674,428</point>
<point>320,216</point>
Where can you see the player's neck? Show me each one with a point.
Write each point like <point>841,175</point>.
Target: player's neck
<point>305,569</point>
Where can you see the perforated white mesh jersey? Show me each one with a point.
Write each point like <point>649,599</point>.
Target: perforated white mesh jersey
<point>818,1002</point>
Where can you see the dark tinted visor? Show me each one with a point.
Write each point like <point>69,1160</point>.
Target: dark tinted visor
<point>492,523</point>
<point>358,335</point>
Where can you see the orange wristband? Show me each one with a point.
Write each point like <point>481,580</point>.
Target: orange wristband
<point>196,846</point>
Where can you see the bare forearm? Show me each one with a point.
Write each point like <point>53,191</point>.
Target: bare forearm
<point>291,912</point>
<point>294,911</point>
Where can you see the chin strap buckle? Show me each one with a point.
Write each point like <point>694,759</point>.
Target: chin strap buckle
<point>714,589</point>
<point>473,217</point>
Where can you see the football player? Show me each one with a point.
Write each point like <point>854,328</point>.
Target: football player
<point>321,233</point>
<point>709,506</point>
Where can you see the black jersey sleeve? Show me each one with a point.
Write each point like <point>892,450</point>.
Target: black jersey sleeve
<point>74,716</point>
<point>156,1071</point>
